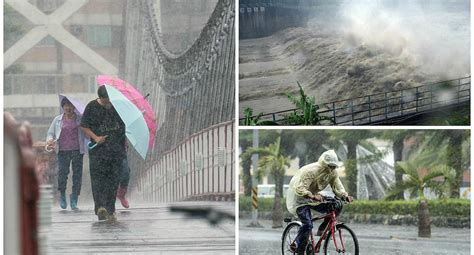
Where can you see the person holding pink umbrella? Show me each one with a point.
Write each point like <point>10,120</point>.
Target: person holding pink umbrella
<point>142,104</point>
<point>137,99</point>
<point>68,140</point>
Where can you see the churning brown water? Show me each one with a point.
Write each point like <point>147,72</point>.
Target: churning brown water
<point>360,53</point>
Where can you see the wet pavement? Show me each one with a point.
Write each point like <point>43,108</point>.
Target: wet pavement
<point>143,229</point>
<point>373,239</point>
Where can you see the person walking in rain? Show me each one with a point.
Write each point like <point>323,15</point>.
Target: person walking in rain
<point>102,124</point>
<point>65,136</point>
<point>303,195</point>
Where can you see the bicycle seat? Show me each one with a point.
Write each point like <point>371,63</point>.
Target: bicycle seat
<point>287,220</point>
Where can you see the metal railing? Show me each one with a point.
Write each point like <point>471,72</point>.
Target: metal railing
<point>388,105</point>
<point>203,164</point>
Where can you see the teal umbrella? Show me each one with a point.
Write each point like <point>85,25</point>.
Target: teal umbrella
<point>136,128</point>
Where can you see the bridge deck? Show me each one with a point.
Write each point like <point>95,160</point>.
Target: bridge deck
<point>144,229</point>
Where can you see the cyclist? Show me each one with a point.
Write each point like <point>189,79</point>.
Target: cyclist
<point>303,195</point>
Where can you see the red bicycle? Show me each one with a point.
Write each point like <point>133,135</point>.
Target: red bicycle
<point>338,238</point>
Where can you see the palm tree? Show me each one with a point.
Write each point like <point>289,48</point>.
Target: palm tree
<point>273,162</point>
<point>266,137</point>
<point>398,136</point>
<point>307,105</point>
<point>453,140</point>
<point>416,184</point>
<point>454,158</point>
<point>246,161</point>
<point>245,141</point>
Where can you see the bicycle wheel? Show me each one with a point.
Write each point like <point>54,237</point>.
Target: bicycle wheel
<point>346,242</point>
<point>289,235</point>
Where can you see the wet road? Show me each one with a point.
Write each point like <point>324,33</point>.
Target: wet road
<point>144,229</point>
<point>373,239</point>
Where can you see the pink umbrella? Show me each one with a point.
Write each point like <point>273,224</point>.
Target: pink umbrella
<point>136,98</point>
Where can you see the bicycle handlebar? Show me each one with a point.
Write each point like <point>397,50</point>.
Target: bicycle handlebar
<point>330,199</point>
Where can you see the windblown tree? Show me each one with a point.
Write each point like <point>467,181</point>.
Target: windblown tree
<point>273,162</point>
<point>447,147</point>
<point>454,157</point>
<point>416,183</point>
<point>398,136</point>
<point>246,141</point>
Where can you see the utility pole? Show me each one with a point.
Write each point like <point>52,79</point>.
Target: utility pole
<point>254,222</point>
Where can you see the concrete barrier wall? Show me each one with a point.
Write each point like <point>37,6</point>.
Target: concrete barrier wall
<point>260,21</point>
<point>202,166</point>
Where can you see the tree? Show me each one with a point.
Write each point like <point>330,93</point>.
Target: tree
<point>453,140</point>
<point>273,162</point>
<point>309,110</point>
<point>454,158</point>
<point>266,137</point>
<point>416,184</point>
<point>398,136</point>
<point>246,161</point>
<point>245,141</point>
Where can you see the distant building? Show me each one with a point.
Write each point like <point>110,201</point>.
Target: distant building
<point>63,61</point>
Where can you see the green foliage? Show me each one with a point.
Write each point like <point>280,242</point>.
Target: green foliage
<point>459,119</point>
<point>264,204</point>
<point>250,120</point>
<point>441,207</point>
<point>266,137</point>
<point>271,160</point>
<point>415,183</point>
<point>445,147</point>
<point>308,110</point>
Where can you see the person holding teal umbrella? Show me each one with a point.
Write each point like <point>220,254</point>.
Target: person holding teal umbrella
<point>103,125</point>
